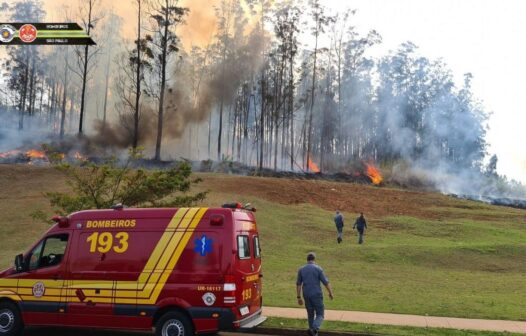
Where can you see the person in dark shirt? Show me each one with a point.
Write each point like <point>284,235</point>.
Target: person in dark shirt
<point>360,225</point>
<point>309,278</point>
<point>338,221</point>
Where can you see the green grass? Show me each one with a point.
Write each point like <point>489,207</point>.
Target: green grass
<point>461,267</point>
<point>378,329</point>
<point>456,258</point>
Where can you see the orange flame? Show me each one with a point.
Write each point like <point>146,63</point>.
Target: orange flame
<point>312,166</point>
<point>374,174</point>
<point>36,154</point>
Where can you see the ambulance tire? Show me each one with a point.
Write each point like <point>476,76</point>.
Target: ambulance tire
<point>10,319</point>
<point>173,323</point>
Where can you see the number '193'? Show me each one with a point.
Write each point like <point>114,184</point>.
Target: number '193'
<point>103,242</point>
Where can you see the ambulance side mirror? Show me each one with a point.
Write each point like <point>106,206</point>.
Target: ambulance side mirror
<point>19,263</point>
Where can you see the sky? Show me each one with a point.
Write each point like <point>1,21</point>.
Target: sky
<point>484,37</point>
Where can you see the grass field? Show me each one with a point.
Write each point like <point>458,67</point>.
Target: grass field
<point>425,253</point>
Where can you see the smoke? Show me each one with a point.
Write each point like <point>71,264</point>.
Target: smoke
<point>202,80</point>
<point>436,128</point>
<point>11,137</point>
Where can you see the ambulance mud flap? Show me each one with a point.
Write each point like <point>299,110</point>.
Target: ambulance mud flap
<point>225,319</point>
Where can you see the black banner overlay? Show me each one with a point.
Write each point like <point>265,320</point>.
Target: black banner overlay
<point>43,33</point>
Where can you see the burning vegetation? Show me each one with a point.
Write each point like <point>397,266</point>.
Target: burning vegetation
<point>39,157</point>
<point>374,174</point>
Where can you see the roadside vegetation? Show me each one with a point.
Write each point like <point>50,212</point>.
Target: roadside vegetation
<point>103,185</point>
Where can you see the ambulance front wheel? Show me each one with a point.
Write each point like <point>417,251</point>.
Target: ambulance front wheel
<point>10,319</point>
<point>174,324</point>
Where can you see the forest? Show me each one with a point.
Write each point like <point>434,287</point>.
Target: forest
<point>287,85</point>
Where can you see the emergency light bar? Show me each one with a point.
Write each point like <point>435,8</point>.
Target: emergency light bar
<point>62,221</point>
<point>239,206</point>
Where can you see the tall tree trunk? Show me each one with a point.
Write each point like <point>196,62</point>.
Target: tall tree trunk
<point>262,121</point>
<point>85,72</point>
<point>291,109</point>
<point>209,131</point>
<point>24,96</point>
<point>163,86</point>
<point>138,82</point>
<point>50,102</point>
<point>220,129</point>
<point>71,114</point>
<point>31,87</point>
<point>313,92</point>
<point>41,98</point>
<point>64,95</point>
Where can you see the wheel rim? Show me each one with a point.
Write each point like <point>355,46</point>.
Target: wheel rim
<point>173,328</point>
<point>7,320</point>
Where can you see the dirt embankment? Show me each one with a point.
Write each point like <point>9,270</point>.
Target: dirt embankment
<point>23,181</point>
<point>375,201</point>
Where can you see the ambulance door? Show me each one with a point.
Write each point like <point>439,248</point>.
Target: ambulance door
<point>41,283</point>
<point>90,291</point>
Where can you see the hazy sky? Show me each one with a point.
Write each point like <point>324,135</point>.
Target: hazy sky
<point>484,37</point>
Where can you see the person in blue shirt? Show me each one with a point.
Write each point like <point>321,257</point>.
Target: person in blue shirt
<point>338,220</point>
<point>309,278</point>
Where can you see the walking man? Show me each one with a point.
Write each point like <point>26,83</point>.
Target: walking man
<point>338,220</point>
<point>309,278</point>
<point>360,225</point>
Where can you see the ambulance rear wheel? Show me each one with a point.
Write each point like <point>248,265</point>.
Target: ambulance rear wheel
<point>10,320</point>
<point>174,324</point>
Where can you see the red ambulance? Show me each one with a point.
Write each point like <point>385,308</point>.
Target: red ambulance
<point>179,271</point>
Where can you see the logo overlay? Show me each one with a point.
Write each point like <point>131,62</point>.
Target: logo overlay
<point>7,33</point>
<point>203,245</point>
<point>39,289</point>
<point>209,298</point>
<point>38,33</point>
<point>27,33</point>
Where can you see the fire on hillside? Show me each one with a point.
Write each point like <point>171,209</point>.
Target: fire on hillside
<point>362,172</point>
<point>38,157</point>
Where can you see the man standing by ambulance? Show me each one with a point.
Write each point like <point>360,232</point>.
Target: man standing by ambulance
<point>309,278</point>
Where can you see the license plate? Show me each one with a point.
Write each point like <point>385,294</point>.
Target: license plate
<point>244,310</point>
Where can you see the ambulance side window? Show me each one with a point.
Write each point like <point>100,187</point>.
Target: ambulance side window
<point>35,256</point>
<point>243,247</point>
<point>49,252</point>
<point>257,248</point>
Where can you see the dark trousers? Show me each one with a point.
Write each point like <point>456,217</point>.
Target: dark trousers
<point>360,235</point>
<point>315,310</point>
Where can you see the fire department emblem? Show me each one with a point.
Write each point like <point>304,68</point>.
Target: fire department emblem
<point>209,298</point>
<point>7,33</point>
<point>27,33</point>
<point>39,289</point>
